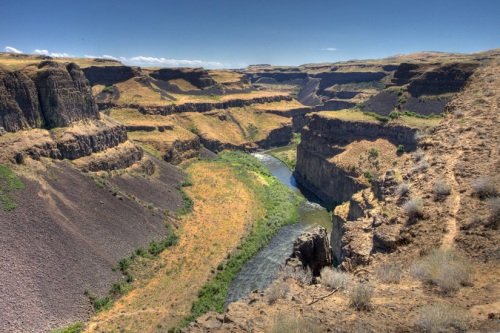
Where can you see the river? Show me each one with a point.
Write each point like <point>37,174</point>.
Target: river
<point>261,270</point>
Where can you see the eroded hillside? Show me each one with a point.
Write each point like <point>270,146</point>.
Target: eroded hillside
<point>416,237</point>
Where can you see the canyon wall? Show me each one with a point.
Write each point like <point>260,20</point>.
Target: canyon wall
<point>46,95</point>
<point>323,138</point>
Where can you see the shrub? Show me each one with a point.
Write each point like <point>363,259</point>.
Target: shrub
<point>494,207</point>
<point>368,175</point>
<point>414,207</point>
<point>421,166</point>
<point>484,187</point>
<point>400,149</point>
<point>444,268</point>
<point>403,189</point>
<point>441,317</point>
<point>276,291</point>
<point>389,273</point>
<point>373,153</point>
<point>293,324</point>
<point>303,276</point>
<point>334,279</point>
<point>360,296</point>
<point>441,190</point>
<point>418,155</point>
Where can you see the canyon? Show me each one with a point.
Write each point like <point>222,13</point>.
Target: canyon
<point>109,174</point>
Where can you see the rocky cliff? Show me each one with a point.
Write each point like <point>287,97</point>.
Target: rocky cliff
<point>48,95</point>
<point>205,107</point>
<point>109,75</point>
<point>324,138</point>
<point>196,76</point>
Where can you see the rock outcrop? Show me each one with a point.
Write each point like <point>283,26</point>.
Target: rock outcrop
<point>19,105</point>
<point>48,95</point>
<point>196,76</point>
<point>313,250</point>
<point>203,107</point>
<point>324,138</point>
<point>64,93</point>
<point>109,75</point>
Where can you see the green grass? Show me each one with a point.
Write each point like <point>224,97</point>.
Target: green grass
<point>281,206</point>
<point>187,204</point>
<point>73,328</point>
<point>9,182</point>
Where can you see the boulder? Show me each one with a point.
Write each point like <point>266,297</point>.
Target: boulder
<point>313,250</point>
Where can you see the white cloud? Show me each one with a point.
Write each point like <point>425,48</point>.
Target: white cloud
<point>143,61</point>
<point>104,56</point>
<point>11,49</point>
<point>154,61</point>
<point>52,54</point>
<point>331,49</point>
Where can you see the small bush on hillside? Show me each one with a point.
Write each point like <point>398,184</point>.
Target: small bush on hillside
<point>368,175</point>
<point>441,317</point>
<point>484,187</point>
<point>389,272</point>
<point>276,291</point>
<point>494,218</point>
<point>373,153</point>
<point>294,324</point>
<point>400,149</point>
<point>418,155</point>
<point>360,296</point>
<point>74,328</point>
<point>303,276</point>
<point>333,279</point>
<point>421,166</point>
<point>414,208</point>
<point>446,269</point>
<point>403,189</point>
<point>441,190</point>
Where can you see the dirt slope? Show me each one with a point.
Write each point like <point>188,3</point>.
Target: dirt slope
<point>65,236</point>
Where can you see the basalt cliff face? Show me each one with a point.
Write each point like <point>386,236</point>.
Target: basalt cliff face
<point>45,96</point>
<point>324,138</point>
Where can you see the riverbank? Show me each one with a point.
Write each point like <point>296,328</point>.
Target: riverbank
<point>238,206</point>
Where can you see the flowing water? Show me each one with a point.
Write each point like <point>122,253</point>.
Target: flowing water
<point>261,270</point>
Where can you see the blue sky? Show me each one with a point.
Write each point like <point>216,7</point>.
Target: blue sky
<point>233,33</point>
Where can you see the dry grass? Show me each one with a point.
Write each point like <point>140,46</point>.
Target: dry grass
<point>277,290</point>
<point>280,106</point>
<point>348,115</point>
<point>18,62</point>
<point>224,209</point>
<point>402,189</point>
<point>360,296</point>
<point>389,273</point>
<point>441,190</point>
<point>235,126</point>
<point>414,208</point>
<point>484,187</point>
<point>223,76</point>
<point>440,318</point>
<point>285,323</point>
<point>183,84</point>
<point>303,276</point>
<point>333,279</point>
<point>446,269</point>
<point>132,117</point>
